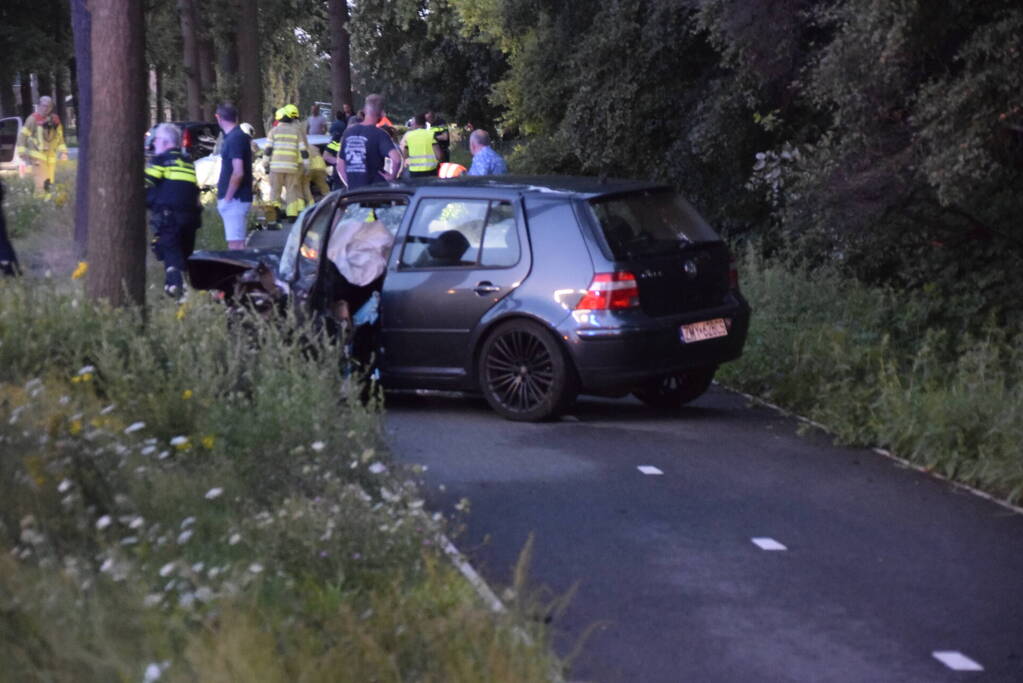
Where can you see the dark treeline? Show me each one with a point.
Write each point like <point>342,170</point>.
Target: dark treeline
<point>885,137</point>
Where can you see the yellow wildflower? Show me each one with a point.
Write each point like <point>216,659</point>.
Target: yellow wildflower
<point>83,267</point>
<point>180,315</point>
<point>186,394</point>
<point>208,441</point>
<point>76,426</point>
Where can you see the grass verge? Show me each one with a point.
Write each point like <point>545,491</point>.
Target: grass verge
<point>183,503</point>
<point>881,368</point>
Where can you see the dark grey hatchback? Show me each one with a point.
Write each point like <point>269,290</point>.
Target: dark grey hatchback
<point>529,290</point>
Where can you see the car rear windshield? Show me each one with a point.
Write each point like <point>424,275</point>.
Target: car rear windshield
<point>648,223</point>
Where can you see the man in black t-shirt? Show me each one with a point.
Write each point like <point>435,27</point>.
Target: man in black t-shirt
<point>234,189</point>
<point>364,147</point>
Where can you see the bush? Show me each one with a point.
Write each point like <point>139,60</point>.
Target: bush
<point>185,503</point>
<point>885,368</point>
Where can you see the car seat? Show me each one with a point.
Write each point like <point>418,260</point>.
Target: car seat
<point>447,248</point>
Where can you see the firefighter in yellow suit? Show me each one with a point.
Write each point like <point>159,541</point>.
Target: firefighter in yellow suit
<point>40,140</point>
<point>316,178</point>
<point>288,153</point>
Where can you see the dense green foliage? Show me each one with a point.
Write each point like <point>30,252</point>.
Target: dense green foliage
<point>869,363</point>
<point>882,137</point>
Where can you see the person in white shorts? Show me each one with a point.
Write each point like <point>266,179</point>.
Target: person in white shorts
<point>234,189</point>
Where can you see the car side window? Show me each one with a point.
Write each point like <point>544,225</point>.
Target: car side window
<point>461,232</point>
<point>445,232</point>
<point>500,238</point>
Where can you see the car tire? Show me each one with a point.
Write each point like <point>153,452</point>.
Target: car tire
<point>671,392</point>
<point>524,374</point>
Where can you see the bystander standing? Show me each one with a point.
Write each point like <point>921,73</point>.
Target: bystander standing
<point>234,189</point>
<point>364,147</point>
<point>316,124</point>
<point>8,259</point>
<point>485,161</point>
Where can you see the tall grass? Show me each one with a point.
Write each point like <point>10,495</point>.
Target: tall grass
<point>184,502</point>
<point>907,371</point>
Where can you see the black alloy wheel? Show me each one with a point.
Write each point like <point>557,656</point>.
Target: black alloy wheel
<point>671,392</point>
<point>523,372</point>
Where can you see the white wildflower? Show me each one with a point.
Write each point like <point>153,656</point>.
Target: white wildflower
<point>149,450</point>
<point>136,523</point>
<point>235,539</point>
<point>187,522</point>
<point>179,441</point>
<point>64,400</point>
<point>186,600</point>
<point>203,594</point>
<point>214,493</point>
<point>167,569</point>
<point>107,565</point>
<point>152,600</point>
<point>317,446</point>
<point>255,568</point>
<point>377,468</point>
<point>64,486</point>
<point>129,540</point>
<point>184,536</point>
<point>163,456</point>
<point>109,409</point>
<point>134,427</point>
<point>198,567</point>
<point>103,522</point>
<point>86,370</point>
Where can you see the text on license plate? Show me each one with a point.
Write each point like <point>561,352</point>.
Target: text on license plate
<point>705,329</point>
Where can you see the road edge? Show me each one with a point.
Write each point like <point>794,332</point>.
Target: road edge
<point>880,451</point>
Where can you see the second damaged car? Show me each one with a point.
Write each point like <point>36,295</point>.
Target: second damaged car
<point>529,291</point>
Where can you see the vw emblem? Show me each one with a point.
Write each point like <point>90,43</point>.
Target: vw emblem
<point>689,267</point>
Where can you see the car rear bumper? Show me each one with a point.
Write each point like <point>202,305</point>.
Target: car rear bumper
<point>620,353</point>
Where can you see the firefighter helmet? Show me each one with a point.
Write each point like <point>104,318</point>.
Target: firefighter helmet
<point>248,129</point>
<point>290,110</point>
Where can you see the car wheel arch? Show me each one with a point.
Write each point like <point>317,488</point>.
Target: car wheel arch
<point>489,325</point>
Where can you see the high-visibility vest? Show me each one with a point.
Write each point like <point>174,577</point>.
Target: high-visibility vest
<point>450,170</point>
<point>41,138</point>
<point>287,145</point>
<point>420,150</point>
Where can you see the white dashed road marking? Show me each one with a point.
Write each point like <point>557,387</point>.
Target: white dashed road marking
<point>649,469</point>
<point>956,661</point>
<point>768,544</point>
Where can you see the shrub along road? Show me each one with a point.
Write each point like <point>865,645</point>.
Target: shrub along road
<point>723,546</point>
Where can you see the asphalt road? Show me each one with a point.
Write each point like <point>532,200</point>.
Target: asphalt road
<point>882,566</point>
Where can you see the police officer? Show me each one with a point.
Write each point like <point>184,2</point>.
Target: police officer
<point>175,214</point>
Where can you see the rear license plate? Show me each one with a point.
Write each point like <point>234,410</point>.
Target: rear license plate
<point>705,329</point>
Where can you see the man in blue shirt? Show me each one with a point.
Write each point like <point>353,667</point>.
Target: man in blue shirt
<point>485,161</point>
<point>234,189</point>
<point>365,147</point>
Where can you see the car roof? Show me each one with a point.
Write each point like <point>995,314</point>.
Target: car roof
<point>577,187</point>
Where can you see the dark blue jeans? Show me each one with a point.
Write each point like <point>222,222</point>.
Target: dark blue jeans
<point>8,259</point>
<point>173,241</point>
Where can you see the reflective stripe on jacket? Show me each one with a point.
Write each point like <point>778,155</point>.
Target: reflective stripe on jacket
<point>420,144</point>
<point>41,138</point>
<point>287,146</point>
<point>170,182</point>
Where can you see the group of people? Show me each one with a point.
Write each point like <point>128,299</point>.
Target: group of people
<point>362,152</point>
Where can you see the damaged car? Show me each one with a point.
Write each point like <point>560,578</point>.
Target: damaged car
<point>526,290</point>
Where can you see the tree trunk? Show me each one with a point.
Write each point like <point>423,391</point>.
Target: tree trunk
<point>81,26</point>
<point>227,66</point>
<point>159,96</point>
<point>340,55</point>
<point>190,45</point>
<point>117,211</point>
<point>27,105</point>
<point>208,78</point>
<point>8,105</point>
<point>250,99</point>
<point>45,83</point>
<point>59,95</point>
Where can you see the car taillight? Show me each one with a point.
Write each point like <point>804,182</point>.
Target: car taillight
<point>733,274</point>
<point>610,291</point>
<point>186,139</point>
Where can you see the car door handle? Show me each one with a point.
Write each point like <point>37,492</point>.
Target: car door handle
<point>486,287</point>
